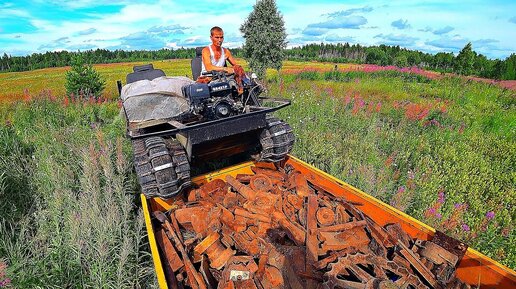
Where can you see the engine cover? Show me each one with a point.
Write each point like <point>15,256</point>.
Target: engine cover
<point>218,89</point>
<point>196,93</point>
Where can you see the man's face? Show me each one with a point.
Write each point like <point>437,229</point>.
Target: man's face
<point>217,38</point>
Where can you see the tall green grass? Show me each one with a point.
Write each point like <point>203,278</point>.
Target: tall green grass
<point>69,212</point>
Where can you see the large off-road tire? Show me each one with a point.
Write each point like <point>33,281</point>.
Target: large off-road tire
<point>276,140</point>
<point>161,166</point>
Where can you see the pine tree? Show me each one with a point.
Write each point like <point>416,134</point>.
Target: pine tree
<point>265,37</point>
<point>83,79</point>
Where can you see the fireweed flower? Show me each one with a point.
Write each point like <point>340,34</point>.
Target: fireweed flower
<point>440,197</point>
<point>465,228</point>
<point>5,282</point>
<point>490,215</point>
<point>438,216</point>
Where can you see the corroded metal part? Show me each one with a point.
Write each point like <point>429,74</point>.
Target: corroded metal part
<point>172,259</point>
<point>242,189</point>
<point>416,263</point>
<point>334,241</point>
<point>260,183</point>
<point>247,242</point>
<point>343,227</point>
<point>255,217</point>
<point>325,216</point>
<point>450,244</point>
<point>295,233</point>
<point>194,279</point>
<point>342,215</point>
<point>368,271</point>
<point>301,185</point>
<point>397,233</point>
<point>243,178</point>
<point>270,173</point>
<point>215,250</point>
<point>312,243</point>
<point>379,233</point>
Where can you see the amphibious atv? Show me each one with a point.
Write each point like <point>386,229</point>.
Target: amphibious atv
<point>176,124</point>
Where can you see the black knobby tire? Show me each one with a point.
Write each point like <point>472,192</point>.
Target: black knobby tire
<point>161,166</point>
<point>276,140</point>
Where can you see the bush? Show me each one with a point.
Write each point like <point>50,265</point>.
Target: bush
<point>83,80</point>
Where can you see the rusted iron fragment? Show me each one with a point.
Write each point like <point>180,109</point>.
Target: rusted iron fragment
<point>242,189</point>
<point>270,173</point>
<point>312,243</point>
<point>295,233</point>
<point>416,263</point>
<point>397,233</point>
<point>451,245</point>
<point>194,279</point>
<point>217,253</point>
<point>301,185</point>
<point>379,233</point>
<point>342,215</point>
<point>247,242</point>
<point>260,183</point>
<point>325,216</point>
<point>243,178</point>
<point>334,241</point>
<point>171,257</point>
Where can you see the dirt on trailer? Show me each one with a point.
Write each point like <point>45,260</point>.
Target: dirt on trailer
<point>276,229</point>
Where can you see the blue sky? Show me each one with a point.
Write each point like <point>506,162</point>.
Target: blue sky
<point>431,26</point>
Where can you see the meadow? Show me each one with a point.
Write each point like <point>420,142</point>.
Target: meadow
<point>440,148</point>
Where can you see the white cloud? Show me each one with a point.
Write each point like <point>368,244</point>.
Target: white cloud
<point>396,39</point>
<point>400,24</point>
<point>446,42</point>
<point>443,30</point>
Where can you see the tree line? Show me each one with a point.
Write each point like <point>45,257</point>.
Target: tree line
<point>467,62</point>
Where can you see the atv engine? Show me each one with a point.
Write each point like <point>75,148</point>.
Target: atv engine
<point>219,98</point>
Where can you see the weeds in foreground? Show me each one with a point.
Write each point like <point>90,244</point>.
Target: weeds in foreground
<point>82,227</point>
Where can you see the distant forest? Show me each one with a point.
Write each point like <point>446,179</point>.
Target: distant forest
<point>467,62</point>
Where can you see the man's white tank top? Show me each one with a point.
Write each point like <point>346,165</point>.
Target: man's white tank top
<point>220,62</point>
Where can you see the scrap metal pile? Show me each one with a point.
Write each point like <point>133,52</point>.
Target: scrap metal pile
<point>274,229</point>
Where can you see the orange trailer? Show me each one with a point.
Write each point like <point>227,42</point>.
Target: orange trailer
<point>475,268</point>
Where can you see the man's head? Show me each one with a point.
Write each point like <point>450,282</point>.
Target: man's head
<point>216,36</point>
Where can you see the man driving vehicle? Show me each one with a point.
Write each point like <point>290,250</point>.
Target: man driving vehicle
<point>214,56</point>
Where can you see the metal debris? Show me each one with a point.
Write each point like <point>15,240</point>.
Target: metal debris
<point>276,229</point>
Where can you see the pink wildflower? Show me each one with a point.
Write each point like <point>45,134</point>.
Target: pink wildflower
<point>490,215</point>
<point>465,227</point>
<point>441,197</point>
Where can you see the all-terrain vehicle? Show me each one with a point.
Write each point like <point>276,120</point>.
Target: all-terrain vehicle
<point>176,124</point>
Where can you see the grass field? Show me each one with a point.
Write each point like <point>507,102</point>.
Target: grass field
<point>440,148</point>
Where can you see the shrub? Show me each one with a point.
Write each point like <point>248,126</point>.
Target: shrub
<point>83,80</point>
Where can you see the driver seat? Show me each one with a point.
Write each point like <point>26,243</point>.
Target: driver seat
<point>196,63</point>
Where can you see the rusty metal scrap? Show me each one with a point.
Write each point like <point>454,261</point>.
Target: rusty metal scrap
<point>278,229</point>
